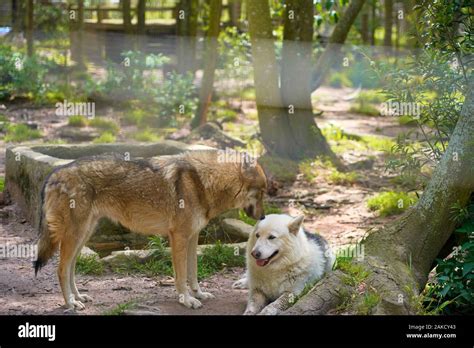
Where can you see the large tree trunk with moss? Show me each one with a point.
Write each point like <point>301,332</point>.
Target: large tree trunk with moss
<point>285,115</point>
<point>332,53</point>
<point>399,257</point>
<point>186,26</point>
<point>210,62</point>
<point>18,10</point>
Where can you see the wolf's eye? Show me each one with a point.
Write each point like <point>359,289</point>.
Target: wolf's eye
<point>271,237</point>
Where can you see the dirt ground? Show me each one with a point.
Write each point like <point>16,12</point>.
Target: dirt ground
<point>344,219</point>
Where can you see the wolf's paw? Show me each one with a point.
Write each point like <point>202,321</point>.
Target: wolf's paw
<point>249,312</point>
<point>203,295</point>
<point>189,301</point>
<point>84,298</point>
<point>240,284</point>
<point>74,305</point>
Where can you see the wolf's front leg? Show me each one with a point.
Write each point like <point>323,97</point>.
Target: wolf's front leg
<point>192,269</point>
<point>257,301</point>
<point>179,244</point>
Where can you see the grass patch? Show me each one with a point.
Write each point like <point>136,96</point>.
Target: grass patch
<point>365,103</point>
<point>105,138</point>
<point>145,135</point>
<point>339,79</point>
<point>134,117</point>
<point>335,133</point>
<point>21,132</point>
<point>89,265</point>
<point>267,208</point>
<point>338,178</point>
<point>248,94</point>
<point>216,258</point>
<point>369,301</point>
<point>308,169</point>
<point>365,109</point>
<point>377,143</point>
<point>391,202</point>
<point>121,308</point>
<point>77,121</point>
<point>104,124</point>
<point>2,183</point>
<point>354,273</point>
<point>212,260</point>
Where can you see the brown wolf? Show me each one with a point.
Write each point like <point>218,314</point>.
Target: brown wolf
<point>175,196</point>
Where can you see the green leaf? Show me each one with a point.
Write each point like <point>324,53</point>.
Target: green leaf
<point>467,268</point>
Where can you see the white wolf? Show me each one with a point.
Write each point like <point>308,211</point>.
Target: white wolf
<point>282,258</point>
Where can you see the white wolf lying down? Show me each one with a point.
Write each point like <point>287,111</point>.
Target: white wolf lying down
<point>282,258</point>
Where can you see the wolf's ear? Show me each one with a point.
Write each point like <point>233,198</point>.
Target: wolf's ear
<point>295,224</point>
<point>247,164</point>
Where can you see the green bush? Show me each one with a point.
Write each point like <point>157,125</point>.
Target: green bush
<point>105,138</point>
<point>89,265</point>
<point>21,75</point>
<point>339,79</point>
<point>104,124</point>
<point>452,290</point>
<point>391,202</point>
<point>21,132</point>
<point>77,121</point>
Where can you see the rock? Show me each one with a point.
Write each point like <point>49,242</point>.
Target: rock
<point>88,252</point>
<point>213,132</point>
<point>78,133</point>
<point>241,247</point>
<point>119,258</point>
<point>238,229</point>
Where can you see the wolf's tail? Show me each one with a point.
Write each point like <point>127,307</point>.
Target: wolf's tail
<point>46,245</point>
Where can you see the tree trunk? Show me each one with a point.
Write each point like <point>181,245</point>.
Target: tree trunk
<point>235,9</point>
<point>127,16</point>
<point>80,35</point>
<point>296,97</point>
<point>364,30</point>
<point>399,257</point>
<point>331,54</point>
<point>210,62</point>
<point>272,119</point>
<point>18,8</point>
<point>373,21</point>
<point>141,25</point>
<point>186,26</point>
<point>388,23</point>
<point>29,27</point>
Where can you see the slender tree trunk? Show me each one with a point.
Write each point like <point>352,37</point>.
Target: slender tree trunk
<point>210,62</point>
<point>127,16</point>
<point>80,34</point>
<point>388,23</point>
<point>365,27</point>
<point>332,53</point>
<point>141,24</point>
<point>235,8</point>
<point>399,256</point>
<point>373,21</point>
<point>18,8</point>
<point>186,26</point>
<point>29,27</point>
